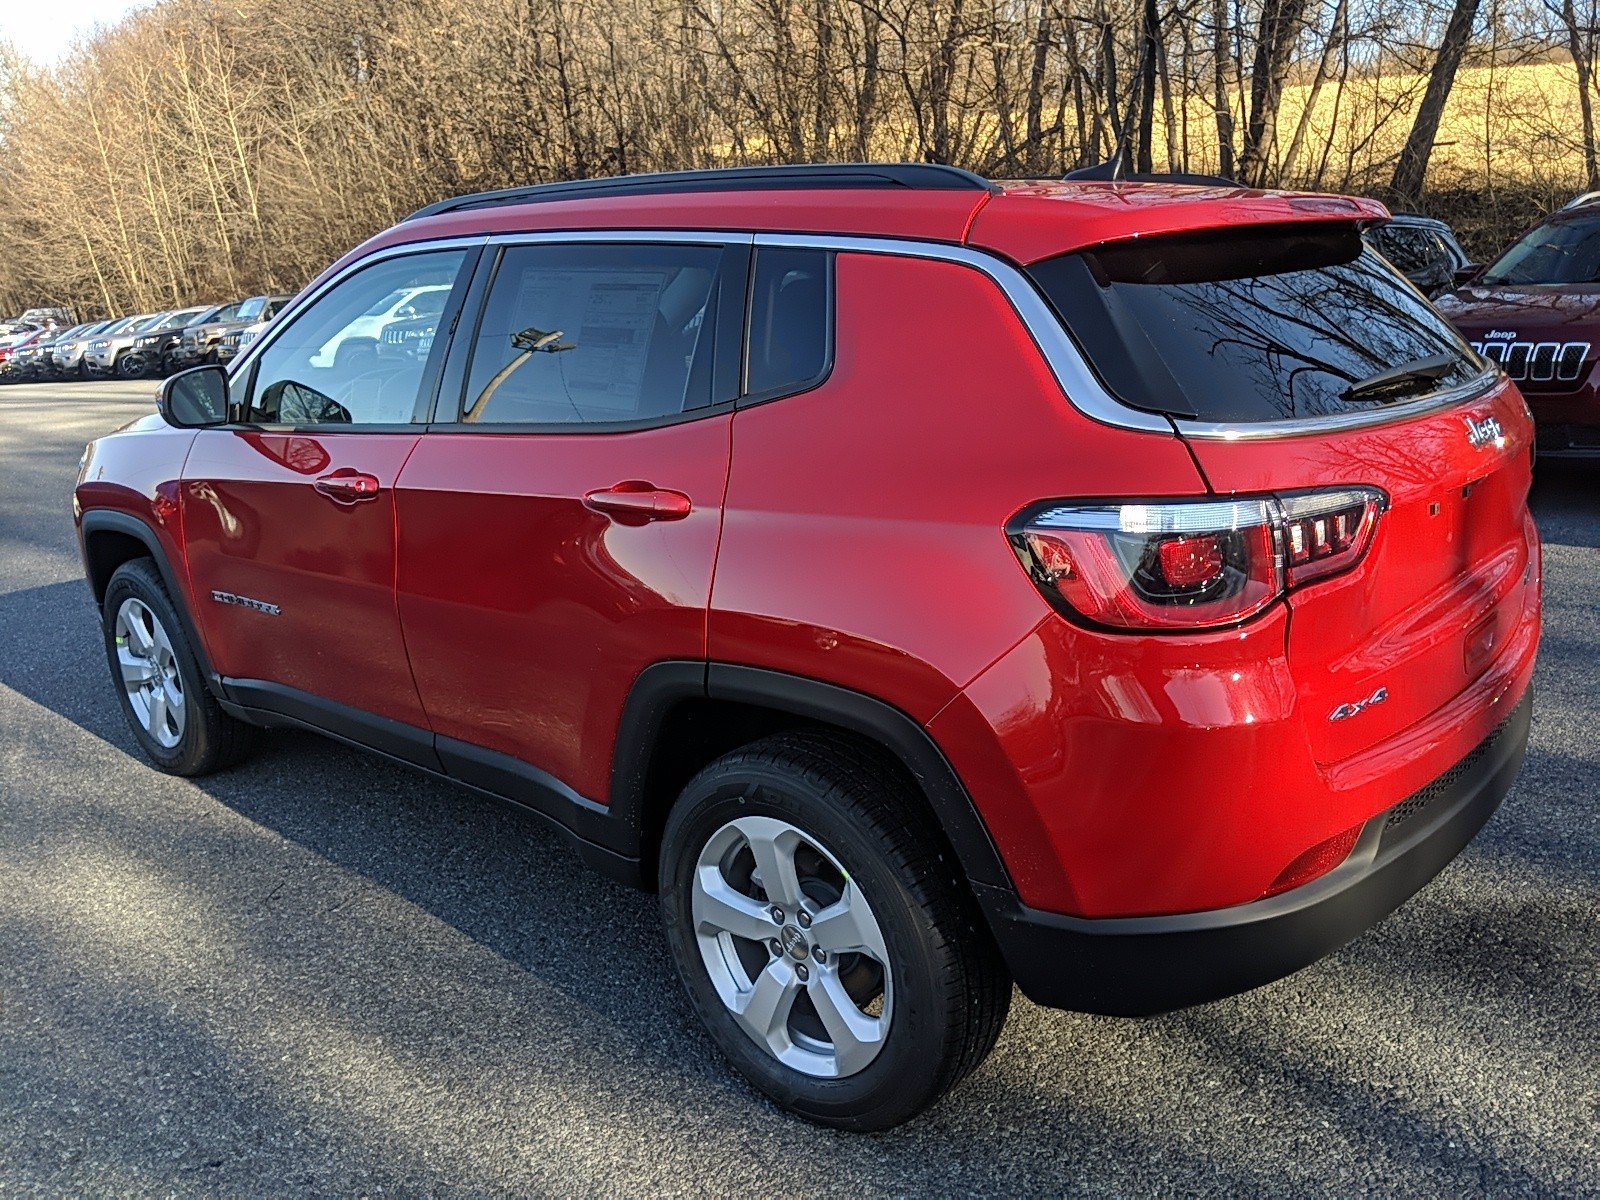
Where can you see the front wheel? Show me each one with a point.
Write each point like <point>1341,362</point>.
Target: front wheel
<point>131,366</point>
<point>171,713</point>
<point>824,935</point>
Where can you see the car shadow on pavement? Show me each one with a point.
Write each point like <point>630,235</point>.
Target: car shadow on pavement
<point>410,948</point>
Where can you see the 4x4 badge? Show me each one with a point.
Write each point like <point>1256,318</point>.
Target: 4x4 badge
<point>1486,432</point>
<point>1354,709</point>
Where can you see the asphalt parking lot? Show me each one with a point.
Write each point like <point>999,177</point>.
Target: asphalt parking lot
<point>320,973</point>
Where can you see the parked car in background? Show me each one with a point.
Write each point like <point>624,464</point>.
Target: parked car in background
<point>106,351</point>
<point>199,337</point>
<point>362,335</point>
<point>67,354</point>
<point>200,340</point>
<point>1425,250</point>
<point>926,584</point>
<point>237,341</point>
<point>10,369</point>
<point>33,361</point>
<point>153,347</point>
<point>1535,310</point>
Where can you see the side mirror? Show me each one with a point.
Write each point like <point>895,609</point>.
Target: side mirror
<point>195,399</point>
<point>1466,274</point>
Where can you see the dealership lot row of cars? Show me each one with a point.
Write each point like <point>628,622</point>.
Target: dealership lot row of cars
<point>36,348</point>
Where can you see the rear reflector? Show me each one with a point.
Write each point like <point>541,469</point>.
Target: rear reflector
<point>1316,862</point>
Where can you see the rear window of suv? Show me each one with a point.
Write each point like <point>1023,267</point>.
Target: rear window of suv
<point>1262,325</point>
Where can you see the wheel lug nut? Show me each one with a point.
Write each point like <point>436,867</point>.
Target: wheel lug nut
<point>774,946</point>
<point>805,920</point>
<point>801,972</point>
<point>777,914</point>
<point>818,953</point>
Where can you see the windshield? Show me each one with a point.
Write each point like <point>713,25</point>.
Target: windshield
<point>252,308</point>
<point>1561,251</point>
<point>1262,324</point>
<point>178,320</point>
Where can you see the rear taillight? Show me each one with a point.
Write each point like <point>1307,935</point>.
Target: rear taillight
<point>1190,564</point>
<point>1326,532</point>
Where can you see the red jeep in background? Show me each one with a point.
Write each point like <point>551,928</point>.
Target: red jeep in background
<point>925,583</point>
<point>1536,312</point>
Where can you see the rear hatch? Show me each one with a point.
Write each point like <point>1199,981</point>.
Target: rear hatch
<point>1295,359</point>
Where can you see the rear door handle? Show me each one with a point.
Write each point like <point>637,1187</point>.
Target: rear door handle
<point>348,486</point>
<point>633,502</point>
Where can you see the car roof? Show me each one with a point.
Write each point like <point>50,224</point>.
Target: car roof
<point>1417,220</point>
<point>1024,220</point>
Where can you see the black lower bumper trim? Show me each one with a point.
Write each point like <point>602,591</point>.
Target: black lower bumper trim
<point>1137,966</point>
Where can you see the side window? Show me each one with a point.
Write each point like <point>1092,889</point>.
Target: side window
<point>338,362</point>
<point>1404,247</point>
<point>791,319</point>
<point>574,334</point>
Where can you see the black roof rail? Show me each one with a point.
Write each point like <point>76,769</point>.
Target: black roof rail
<point>1109,172</point>
<point>921,176</point>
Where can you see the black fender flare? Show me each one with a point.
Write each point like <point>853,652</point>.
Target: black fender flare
<point>106,520</point>
<point>663,685</point>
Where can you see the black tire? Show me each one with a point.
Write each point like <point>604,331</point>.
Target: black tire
<point>952,991</point>
<point>130,366</point>
<point>211,740</point>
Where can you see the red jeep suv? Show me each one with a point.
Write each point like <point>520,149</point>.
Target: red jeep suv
<point>927,584</point>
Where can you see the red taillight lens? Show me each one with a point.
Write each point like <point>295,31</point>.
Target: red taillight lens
<point>1137,566</point>
<point>1325,532</point>
<point>1190,564</point>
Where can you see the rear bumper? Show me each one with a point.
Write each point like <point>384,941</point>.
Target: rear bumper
<point>1137,966</point>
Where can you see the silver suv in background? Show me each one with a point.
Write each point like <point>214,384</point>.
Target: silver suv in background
<point>67,356</point>
<point>105,351</point>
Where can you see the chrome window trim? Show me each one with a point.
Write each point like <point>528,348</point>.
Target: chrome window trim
<point>290,311</point>
<point>1077,381</point>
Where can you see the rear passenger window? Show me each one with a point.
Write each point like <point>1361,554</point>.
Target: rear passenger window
<point>576,334</point>
<point>790,321</point>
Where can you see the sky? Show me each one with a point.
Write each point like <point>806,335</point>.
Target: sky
<point>44,29</point>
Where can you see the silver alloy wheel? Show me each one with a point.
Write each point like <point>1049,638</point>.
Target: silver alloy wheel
<point>150,673</point>
<point>792,947</point>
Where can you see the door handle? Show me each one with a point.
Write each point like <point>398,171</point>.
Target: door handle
<point>348,486</point>
<point>634,502</point>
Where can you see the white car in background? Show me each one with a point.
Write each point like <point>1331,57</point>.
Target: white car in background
<point>407,304</point>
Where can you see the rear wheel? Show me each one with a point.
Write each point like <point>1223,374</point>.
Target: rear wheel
<point>173,716</point>
<point>823,934</point>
